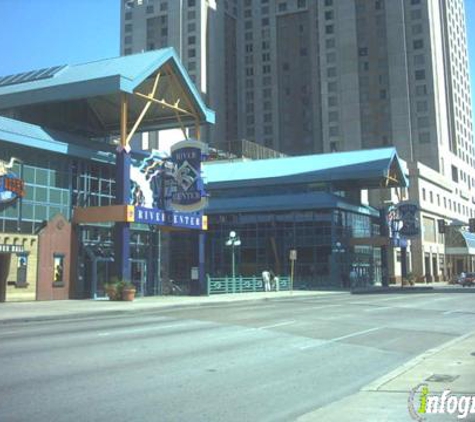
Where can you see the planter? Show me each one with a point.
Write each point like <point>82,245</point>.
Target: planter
<point>128,295</point>
<point>112,292</point>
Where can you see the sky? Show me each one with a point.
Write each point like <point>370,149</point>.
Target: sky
<point>43,33</point>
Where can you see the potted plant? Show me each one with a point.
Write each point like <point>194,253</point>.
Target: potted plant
<point>112,290</point>
<point>128,291</point>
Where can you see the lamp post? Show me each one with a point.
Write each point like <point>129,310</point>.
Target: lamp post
<point>339,250</point>
<point>233,241</point>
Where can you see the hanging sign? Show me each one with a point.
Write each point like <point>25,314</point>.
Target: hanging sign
<point>11,186</point>
<point>410,222</point>
<point>190,194</point>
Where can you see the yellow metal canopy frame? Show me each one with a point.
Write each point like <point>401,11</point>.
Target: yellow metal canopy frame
<point>151,100</point>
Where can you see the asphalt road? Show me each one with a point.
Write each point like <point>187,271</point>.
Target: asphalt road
<point>248,361</point>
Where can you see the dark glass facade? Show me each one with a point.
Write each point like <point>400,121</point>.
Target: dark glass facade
<point>321,238</point>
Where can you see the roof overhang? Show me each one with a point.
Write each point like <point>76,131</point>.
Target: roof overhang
<point>460,242</point>
<point>87,98</point>
<point>366,169</point>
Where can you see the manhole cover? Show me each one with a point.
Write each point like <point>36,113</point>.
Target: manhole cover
<point>442,378</point>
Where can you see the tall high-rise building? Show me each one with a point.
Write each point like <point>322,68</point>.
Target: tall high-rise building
<point>309,76</point>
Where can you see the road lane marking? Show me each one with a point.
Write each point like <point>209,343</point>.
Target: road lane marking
<point>280,324</point>
<point>380,308</point>
<point>143,329</point>
<point>334,340</point>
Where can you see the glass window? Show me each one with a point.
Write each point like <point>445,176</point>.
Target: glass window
<point>58,268</point>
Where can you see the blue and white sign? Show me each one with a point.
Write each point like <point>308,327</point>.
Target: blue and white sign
<point>190,194</point>
<point>410,221</point>
<point>186,220</point>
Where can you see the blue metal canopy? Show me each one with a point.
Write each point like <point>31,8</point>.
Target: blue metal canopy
<point>33,136</point>
<point>365,169</point>
<point>85,98</point>
<point>290,202</point>
<point>461,242</point>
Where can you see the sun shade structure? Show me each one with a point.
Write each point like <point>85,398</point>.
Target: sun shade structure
<point>149,91</point>
<point>366,169</point>
<point>460,242</point>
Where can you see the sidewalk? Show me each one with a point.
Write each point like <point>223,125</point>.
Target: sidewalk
<point>450,366</point>
<point>60,309</point>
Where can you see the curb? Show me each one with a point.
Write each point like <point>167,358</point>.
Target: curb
<point>87,314</point>
<point>377,384</point>
<point>411,290</point>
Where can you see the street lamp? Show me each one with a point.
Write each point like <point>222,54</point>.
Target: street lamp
<point>339,250</point>
<point>233,241</point>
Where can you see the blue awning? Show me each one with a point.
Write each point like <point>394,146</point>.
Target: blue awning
<point>86,98</point>
<point>460,243</point>
<point>33,136</point>
<point>291,202</point>
<point>365,169</point>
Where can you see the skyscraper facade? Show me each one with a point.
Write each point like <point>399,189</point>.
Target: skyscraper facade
<point>310,76</point>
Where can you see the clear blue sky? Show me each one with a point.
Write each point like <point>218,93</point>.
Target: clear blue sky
<point>43,33</point>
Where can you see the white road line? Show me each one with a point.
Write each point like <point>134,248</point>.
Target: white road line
<point>309,308</point>
<point>280,324</point>
<point>334,340</point>
<point>139,330</point>
<point>380,308</point>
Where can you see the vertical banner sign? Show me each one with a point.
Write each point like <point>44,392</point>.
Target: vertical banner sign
<point>190,194</point>
<point>408,216</point>
<point>11,186</point>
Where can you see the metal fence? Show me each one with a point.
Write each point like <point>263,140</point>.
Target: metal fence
<point>221,285</point>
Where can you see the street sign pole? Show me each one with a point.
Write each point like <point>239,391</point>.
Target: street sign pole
<point>293,258</point>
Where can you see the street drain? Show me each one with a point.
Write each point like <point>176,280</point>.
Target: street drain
<point>442,378</point>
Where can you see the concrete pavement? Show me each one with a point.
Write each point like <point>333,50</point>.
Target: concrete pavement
<point>450,366</point>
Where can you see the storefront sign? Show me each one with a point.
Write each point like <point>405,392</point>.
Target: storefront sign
<point>11,186</point>
<point>12,249</point>
<point>402,220</point>
<point>169,218</point>
<point>410,222</point>
<point>190,194</point>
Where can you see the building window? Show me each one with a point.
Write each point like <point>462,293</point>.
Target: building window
<point>363,51</point>
<point>282,7</point>
<point>128,16</point>
<point>421,106</point>
<point>418,44</point>
<point>301,4</point>
<point>150,9</point>
<point>421,90</point>
<point>58,270</point>
<point>423,194</point>
<point>420,74</point>
<point>455,174</point>
<point>328,2</point>
<point>128,27</point>
<point>424,138</point>
<point>329,29</point>
<point>191,3</point>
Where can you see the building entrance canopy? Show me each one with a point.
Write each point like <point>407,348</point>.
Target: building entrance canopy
<point>88,99</point>
<point>366,169</point>
<point>460,243</point>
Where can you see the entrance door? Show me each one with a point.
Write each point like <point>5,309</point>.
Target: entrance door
<point>139,276</point>
<point>4,269</point>
<point>101,274</point>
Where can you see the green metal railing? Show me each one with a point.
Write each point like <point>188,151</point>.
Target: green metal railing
<point>221,285</point>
